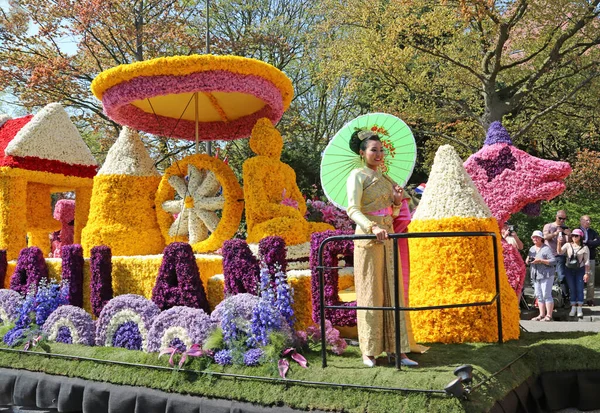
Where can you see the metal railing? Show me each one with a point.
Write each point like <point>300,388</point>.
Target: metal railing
<point>397,308</point>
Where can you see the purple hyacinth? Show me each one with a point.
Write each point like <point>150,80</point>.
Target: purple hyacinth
<point>223,357</point>
<point>85,328</point>
<point>265,317</point>
<point>128,336</point>
<point>284,298</point>
<point>240,268</point>
<point>194,321</point>
<point>72,272</point>
<point>496,133</point>
<point>272,251</point>
<point>331,253</point>
<point>48,298</point>
<point>101,278</point>
<point>13,336</point>
<point>495,166</point>
<point>31,268</point>
<point>178,282</point>
<point>9,303</point>
<point>64,335</point>
<point>252,357</point>
<point>177,344</point>
<point>241,304</point>
<point>120,306</point>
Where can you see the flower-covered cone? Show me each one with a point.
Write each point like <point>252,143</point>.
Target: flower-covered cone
<point>122,213</point>
<point>457,270</point>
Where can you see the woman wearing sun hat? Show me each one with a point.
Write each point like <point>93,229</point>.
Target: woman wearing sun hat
<point>580,274</point>
<point>541,261</point>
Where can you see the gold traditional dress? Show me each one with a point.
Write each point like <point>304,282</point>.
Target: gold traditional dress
<point>370,202</point>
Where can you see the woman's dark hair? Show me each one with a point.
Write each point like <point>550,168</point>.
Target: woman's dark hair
<point>357,144</point>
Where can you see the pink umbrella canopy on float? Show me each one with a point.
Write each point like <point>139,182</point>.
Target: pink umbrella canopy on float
<point>198,97</point>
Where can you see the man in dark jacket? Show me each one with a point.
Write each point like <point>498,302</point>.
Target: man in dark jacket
<point>591,239</point>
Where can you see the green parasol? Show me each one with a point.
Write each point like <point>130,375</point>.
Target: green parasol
<point>338,160</point>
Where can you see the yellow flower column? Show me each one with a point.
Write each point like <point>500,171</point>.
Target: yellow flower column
<point>266,181</point>
<point>13,214</point>
<point>40,222</point>
<point>457,270</point>
<point>122,213</point>
<point>83,197</point>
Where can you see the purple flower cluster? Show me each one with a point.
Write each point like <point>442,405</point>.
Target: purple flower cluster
<point>85,329</point>
<point>101,282</point>
<point>272,253</point>
<point>223,357</point>
<point>178,345</point>
<point>265,317</point>
<point>37,306</point>
<point>145,309</point>
<point>495,166</point>
<point>64,335</point>
<point>331,253</point>
<point>284,298</point>
<point>332,337</point>
<point>9,304</point>
<point>253,357</point>
<point>496,133</point>
<point>31,268</point>
<point>3,266</point>
<point>178,282</point>
<point>72,272</point>
<point>319,211</point>
<point>196,323</point>
<point>242,306</point>
<point>240,268</point>
<point>128,336</point>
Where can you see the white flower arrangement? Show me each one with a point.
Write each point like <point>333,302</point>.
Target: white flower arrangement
<point>51,135</point>
<point>175,332</point>
<point>4,118</point>
<point>128,156</point>
<point>450,191</point>
<point>294,252</point>
<point>64,322</point>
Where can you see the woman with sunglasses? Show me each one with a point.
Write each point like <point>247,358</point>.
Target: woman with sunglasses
<point>578,272</point>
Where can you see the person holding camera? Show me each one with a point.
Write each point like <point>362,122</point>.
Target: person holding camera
<point>591,240</point>
<point>553,233</point>
<point>541,263</point>
<point>577,269</point>
<point>509,234</point>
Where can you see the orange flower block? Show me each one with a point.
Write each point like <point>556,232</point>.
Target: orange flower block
<point>457,270</point>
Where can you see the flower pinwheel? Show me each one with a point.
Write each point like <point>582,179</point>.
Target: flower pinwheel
<point>197,206</point>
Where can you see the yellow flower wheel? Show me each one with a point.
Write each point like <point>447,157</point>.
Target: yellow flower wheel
<point>191,188</point>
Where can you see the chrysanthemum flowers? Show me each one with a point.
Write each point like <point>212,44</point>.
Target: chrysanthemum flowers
<point>460,269</point>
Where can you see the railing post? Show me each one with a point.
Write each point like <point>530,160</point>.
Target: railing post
<point>322,304</point>
<point>396,304</point>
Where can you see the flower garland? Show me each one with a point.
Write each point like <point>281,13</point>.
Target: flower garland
<point>31,269</point>
<point>457,270</point>
<point>72,272</point>
<point>71,325</point>
<point>101,291</point>
<point>179,324</point>
<point>119,87</point>
<point>232,209</point>
<point>9,304</point>
<point>125,322</point>
<point>331,253</point>
<point>178,282</point>
<point>265,215</point>
<point>240,268</point>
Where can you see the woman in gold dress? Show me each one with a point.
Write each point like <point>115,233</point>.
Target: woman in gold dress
<point>373,201</point>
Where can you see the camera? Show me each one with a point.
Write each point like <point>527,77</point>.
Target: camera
<point>512,228</point>
<point>564,227</point>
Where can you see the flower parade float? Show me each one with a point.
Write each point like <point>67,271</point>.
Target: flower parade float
<point>499,170</point>
<point>457,270</point>
<point>39,155</point>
